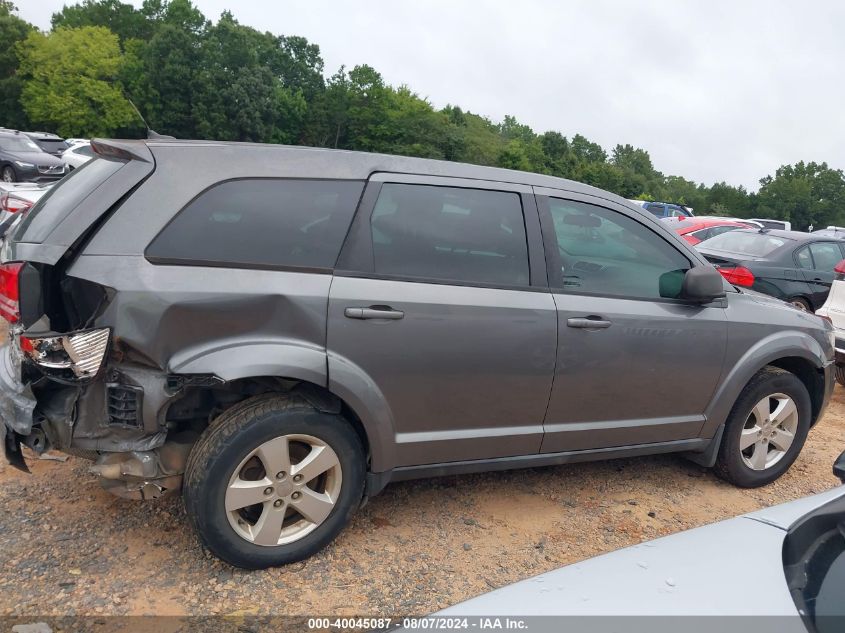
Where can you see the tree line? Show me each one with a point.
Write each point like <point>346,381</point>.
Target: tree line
<point>194,78</point>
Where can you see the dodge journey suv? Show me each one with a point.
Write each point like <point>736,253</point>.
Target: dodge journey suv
<point>278,332</point>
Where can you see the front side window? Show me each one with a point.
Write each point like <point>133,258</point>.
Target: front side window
<point>450,234</point>
<point>604,252</point>
<point>656,210</point>
<point>261,223</point>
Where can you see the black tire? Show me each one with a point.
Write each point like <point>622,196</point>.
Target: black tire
<point>801,303</point>
<point>229,439</point>
<point>729,463</point>
<point>8,174</point>
<point>840,374</point>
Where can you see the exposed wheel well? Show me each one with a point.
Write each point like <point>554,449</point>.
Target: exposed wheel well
<point>195,406</point>
<point>807,373</point>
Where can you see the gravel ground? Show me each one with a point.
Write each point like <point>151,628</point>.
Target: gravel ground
<point>69,548</point>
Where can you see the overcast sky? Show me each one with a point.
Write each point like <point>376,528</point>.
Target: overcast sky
<point>714,90</point>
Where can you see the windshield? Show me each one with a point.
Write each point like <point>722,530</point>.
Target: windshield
<point>755,244</point>
<point>18,144</point>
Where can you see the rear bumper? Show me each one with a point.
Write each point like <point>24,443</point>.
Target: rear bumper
<point>17,404</point>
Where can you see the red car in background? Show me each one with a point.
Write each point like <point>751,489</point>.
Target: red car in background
<point>698,229</point>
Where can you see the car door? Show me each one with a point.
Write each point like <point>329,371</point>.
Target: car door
<point>635,364</point>
<point>824,256</point>
<point>440,306</point>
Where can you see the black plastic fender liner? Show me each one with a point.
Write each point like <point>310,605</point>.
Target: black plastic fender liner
<point>12,449</point>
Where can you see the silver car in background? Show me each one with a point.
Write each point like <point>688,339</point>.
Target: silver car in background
<point>783,565</point>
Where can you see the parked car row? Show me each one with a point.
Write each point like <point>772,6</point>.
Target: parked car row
<point>39,156</point>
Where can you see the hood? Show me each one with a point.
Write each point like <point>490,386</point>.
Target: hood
<point>36,158</point>
<point>733,567</point>
<point>785,514</point>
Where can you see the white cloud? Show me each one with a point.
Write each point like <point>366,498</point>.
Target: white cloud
<point>717,90</point>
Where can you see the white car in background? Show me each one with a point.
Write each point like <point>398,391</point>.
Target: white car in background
<point>774,570</point>
<point>78,154</point>
<point>15,199</point>
<point>834,311</point>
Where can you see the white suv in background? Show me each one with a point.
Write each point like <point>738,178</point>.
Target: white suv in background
<point>78,154</point>
<point>834,311</point>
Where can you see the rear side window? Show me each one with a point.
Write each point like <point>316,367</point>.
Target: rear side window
<point>261,223</point>
<point>744,243</point>
<point>825,255</point>
<point>451,234</point>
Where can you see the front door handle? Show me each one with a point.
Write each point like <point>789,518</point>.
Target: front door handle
<point>374,312</point>
<point>588,323</point>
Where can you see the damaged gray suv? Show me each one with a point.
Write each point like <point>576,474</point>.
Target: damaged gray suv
<point>279,332</point>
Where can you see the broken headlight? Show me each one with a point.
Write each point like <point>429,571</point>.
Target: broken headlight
<point>76,356</point>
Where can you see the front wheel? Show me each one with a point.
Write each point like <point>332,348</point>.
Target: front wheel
<point>765,430</point>
<point>272,481</point>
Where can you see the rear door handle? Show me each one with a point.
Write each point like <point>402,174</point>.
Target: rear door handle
<point>381,312</point>
<point>588,323</point>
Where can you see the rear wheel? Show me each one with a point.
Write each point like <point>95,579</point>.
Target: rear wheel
<point>8,174</point>
<point>801,304</point>
<point>273,481</point>
<point>766,429</point>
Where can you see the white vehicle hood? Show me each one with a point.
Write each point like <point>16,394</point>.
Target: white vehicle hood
<point>730,568</point>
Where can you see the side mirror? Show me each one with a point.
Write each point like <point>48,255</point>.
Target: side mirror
<point>702,284</point>
<point>839,467</point>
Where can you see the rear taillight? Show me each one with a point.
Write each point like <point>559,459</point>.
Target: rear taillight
<point>10,291</point>
<point>13,204</point>
<point>840,267</point>
<point>738,276</point>
<point>76,356</point>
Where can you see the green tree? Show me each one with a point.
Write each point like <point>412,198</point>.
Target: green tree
<point>804,194</point>
<point>120,18</point>
<point>13,30</point>
<point>71,81</point>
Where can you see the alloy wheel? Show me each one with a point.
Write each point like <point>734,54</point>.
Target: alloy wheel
<point>769,431</point>
<point>283,490</point>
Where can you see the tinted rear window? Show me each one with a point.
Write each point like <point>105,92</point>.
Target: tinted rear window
<point>685,224</point>
<point>63,198</point>
<point>754,244</point>
<point>261,223</point>
<point>53,145</point>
